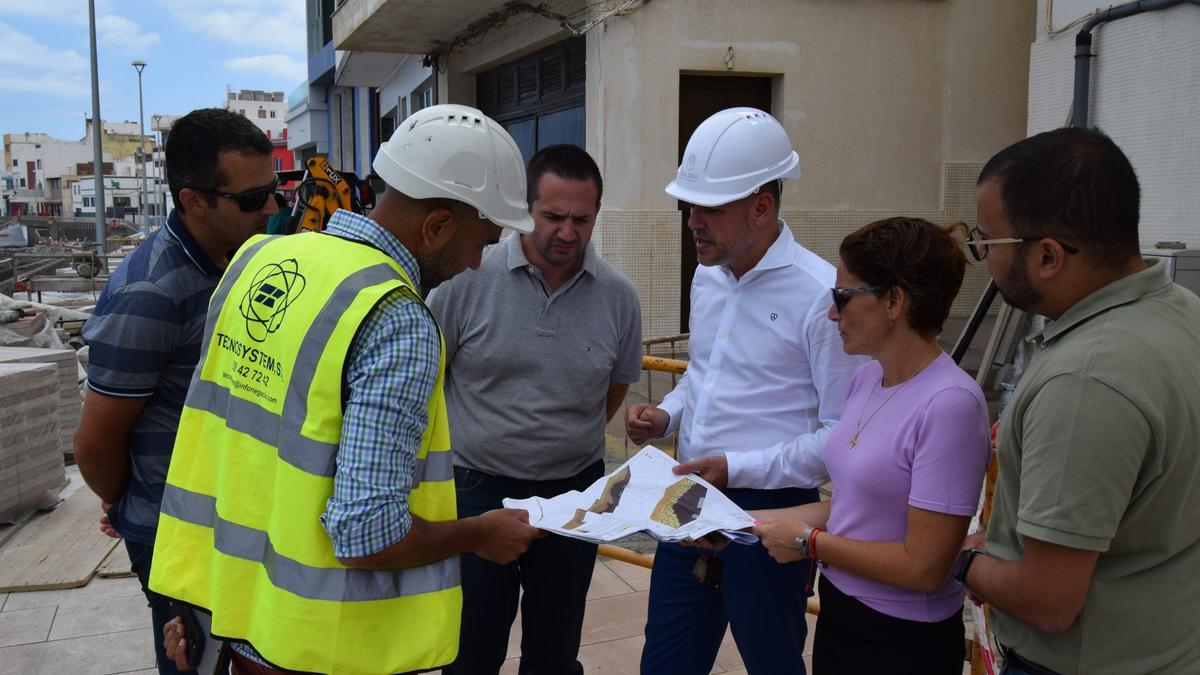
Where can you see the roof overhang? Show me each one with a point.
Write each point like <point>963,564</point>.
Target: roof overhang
<point>405,26</point>
<point>368,69</point>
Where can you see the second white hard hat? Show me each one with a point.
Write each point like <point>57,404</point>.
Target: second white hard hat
<point>731,155</point>
<point>456,152</point>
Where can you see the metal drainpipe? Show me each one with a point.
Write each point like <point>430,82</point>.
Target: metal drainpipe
<point>1083,49</point>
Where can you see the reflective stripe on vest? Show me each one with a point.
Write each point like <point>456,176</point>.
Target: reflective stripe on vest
<point>254,465</point>
<point>281,432</point>
<point>306,581</point>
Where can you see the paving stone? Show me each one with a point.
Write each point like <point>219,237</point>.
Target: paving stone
<point>30,448</point>
<point>605,582</point>
<point>102,615</point>
<point>614,618</point>
<point>123,652</point>
<point>25,626</point>
<point>636,576</point>
<point>622,656</point>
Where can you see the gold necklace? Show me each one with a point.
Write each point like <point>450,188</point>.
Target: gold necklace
<point>860,425</point>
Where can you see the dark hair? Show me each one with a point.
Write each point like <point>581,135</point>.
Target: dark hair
<point>1073,184</point>
<point>916,256</point>
<point>198,138</point>
<point>566,161</point>
<point>773,188</point>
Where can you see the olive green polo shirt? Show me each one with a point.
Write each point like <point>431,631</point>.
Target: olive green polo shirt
<point>1100,450</point>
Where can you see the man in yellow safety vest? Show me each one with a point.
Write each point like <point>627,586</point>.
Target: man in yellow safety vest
<point>310,502</point>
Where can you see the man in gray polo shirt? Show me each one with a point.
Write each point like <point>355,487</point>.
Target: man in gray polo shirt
<point>542,342</point>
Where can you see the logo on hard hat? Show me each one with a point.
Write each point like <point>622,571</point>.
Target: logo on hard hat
<point>275,287</point>
<point>689,166</point>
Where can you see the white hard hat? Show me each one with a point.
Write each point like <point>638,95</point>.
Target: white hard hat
<point>731,155</point>
<point>455,152</point>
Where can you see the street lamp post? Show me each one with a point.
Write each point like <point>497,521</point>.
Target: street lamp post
<point>140,65</point>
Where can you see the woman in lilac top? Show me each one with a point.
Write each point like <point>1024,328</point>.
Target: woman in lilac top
<point>907,462</point>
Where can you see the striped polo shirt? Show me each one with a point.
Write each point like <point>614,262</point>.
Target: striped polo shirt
<point>144,340</point>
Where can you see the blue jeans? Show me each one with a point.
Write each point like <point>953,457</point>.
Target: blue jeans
<point>140,558</point>
<point>763,601</point>
<point>555,574</point>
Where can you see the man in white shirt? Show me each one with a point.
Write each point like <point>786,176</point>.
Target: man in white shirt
<point>764,388</point>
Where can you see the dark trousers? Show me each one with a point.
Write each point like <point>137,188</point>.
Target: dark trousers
<point>555,574</point>
<point>761,600</point>
<point>1015,664</point>
<point>140,557</point>
<point>853,638</point>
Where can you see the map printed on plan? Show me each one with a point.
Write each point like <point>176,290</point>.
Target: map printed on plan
<point>641,495</point>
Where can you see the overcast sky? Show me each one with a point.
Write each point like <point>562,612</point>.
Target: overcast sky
<point>194,50</point>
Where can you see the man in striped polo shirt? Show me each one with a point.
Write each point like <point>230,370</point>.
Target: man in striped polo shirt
<point>145,333</point>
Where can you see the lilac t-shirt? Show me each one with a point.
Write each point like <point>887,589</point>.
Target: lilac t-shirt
<point>927,447</point>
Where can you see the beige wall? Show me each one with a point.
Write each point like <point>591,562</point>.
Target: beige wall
<point>892,105</point>
<point>875,95</point>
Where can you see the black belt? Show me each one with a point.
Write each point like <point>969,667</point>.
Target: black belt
<point>1017,660</point>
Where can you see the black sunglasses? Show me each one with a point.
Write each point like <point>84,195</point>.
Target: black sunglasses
<point>843,294</point>
<point>248,201</point>
<point>978,246</point>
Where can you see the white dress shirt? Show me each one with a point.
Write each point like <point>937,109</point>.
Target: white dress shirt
<point>767,375</point>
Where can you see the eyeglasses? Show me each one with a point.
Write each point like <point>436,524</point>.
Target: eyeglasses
<point>978,246</point>
<point>248,201</point>
<point>842,295</point>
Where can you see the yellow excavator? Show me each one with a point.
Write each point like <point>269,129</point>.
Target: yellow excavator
<point>323,190</point>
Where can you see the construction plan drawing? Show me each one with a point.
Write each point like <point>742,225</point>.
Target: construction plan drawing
<point>641,495</point>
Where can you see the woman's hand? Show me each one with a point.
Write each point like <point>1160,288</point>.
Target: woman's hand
<point>778,533</point>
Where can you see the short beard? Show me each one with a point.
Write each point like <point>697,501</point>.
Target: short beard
<point>723,254</point>
<point>1018,290</point>
<point>437,268</point>
<point>548,254</point>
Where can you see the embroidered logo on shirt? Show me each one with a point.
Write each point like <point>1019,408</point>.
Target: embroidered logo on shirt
<point>275,287</point>
<point>774,316</point>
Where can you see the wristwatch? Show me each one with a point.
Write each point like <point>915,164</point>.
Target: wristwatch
<point>959,571</point>
<point>801,543</point>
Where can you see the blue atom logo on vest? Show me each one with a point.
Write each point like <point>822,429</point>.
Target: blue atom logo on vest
<point>275,287</point>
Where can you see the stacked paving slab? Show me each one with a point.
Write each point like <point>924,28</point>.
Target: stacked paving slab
<point>70,403</point>
<point>31,458</point>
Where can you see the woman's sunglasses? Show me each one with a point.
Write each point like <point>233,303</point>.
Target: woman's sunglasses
<point>843,294</point>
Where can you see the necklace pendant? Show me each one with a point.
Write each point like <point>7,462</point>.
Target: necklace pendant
<point>854,440</point>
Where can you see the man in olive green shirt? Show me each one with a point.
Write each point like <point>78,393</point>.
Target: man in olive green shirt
<point>1092,562</point>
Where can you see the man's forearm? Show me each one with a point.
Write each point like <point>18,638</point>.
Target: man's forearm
<point>1033,597</point>
<point>105,468</point>
<point>102,442</point>
<point>426,542</point>
<point>614,400</point>
<point>796,463</point>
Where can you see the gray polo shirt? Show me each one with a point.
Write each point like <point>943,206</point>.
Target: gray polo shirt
<point>527,369</point>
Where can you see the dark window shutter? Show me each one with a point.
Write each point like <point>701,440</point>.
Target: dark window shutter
<point>485,92</point>
<point>527,81</point>
<point>551,74</point>
<point>507,87</point>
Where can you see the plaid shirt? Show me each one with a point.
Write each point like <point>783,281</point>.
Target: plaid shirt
<point>390,373</point>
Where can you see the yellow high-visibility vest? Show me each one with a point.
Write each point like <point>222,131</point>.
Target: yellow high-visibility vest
<point>240,533</point>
